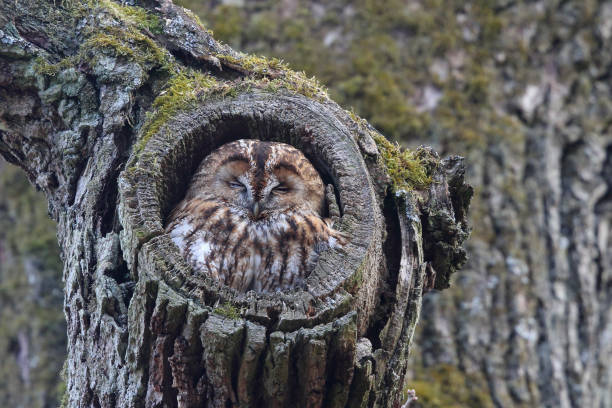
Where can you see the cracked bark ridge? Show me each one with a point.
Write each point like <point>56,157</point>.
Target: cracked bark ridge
<point>144,329</point>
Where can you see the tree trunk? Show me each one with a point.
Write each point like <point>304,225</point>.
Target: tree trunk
<point>538,285</point>
<point>109,108</point>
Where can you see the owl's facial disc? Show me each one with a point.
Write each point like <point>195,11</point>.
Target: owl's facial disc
<point>260,179</point>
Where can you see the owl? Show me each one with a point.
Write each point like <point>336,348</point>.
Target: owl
<point>253,217</point>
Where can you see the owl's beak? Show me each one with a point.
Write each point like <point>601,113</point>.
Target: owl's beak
<point>255,209</point>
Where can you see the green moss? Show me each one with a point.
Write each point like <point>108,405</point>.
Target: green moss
<point>181,92</point>
<point>298,82</point>
<point>135,16</point>
<point>109,42</point>
<point>42,67</point>
<point>445,386</point>
<point>274,74</point>
<point>253,63</point>
<point>228,310</point>
<point>127,43</point>
<point>407,169</point>
<point>184,89</point>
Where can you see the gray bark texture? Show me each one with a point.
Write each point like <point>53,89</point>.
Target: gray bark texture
<point>109,108</point>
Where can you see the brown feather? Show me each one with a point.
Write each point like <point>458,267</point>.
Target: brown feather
<point>274,248</point>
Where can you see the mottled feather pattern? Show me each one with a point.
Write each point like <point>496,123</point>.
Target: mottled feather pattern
<point>252,217</point>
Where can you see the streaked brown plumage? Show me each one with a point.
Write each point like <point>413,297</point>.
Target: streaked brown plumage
<point>252,217</point>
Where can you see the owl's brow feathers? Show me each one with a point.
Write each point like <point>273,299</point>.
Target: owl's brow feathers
<point>235,157</point>
<point>261,154</point>
<point>287,166</point>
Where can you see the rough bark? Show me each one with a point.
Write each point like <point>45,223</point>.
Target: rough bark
<point>537,288</point>
<point>109,108</point>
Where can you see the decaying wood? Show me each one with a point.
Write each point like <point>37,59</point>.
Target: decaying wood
<point>144,328</point>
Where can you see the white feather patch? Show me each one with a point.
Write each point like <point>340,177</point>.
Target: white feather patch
<point>178,233</point>
<point>200,250</point>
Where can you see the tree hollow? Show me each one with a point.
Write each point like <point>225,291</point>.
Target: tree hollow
<point>158,173</point>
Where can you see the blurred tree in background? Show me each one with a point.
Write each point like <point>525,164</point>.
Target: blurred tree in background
<point>522,89</point>
<point>32,324</point>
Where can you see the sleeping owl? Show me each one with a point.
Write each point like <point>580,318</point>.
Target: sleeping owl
<point>253,217</point>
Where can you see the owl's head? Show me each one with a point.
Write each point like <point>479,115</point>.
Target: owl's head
<point>259,179</point>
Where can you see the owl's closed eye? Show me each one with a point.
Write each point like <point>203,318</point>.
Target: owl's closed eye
<point>253,217</point>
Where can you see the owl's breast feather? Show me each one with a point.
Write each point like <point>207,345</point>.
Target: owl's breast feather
<point>275,253</point>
